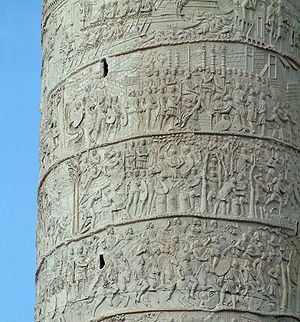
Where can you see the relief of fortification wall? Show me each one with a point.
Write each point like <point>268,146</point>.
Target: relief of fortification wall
<point>78,32</point>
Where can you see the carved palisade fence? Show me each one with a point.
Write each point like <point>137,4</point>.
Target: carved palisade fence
<point>169,182</point>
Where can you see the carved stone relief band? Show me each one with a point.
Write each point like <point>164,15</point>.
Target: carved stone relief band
<point>155,178</point>
<point>227,94</point>
<point>267,24</point>
<point>169,151</point>
<point>189,262</point>
<point>68,59</point>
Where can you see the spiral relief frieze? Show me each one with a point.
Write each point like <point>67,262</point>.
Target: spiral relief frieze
<point>169,161</point>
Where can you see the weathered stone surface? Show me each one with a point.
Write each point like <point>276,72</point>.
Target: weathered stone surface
<point>169,183</point>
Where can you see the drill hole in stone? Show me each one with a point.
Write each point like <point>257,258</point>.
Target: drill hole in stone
<point>102,262</point>
<point>104,67</point>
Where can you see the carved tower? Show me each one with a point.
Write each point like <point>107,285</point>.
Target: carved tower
<point>169,181</point>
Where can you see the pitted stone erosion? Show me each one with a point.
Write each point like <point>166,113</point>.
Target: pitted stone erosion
<point>169,161</point>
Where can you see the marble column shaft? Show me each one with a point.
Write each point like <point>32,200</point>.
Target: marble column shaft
<point>169,161</point>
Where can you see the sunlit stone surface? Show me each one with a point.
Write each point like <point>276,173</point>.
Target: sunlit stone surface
<point>169,182</point>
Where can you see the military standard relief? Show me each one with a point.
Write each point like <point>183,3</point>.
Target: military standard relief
<point>78,32</point>
<point>206,88</point>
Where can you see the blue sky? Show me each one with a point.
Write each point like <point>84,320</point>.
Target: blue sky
<point>20,57</point>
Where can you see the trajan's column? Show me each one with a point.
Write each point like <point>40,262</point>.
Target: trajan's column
<point>170,175</point>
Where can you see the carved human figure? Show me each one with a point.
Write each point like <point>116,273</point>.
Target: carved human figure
<point>251,106</point>
<point>101,110</point>
<point>142,155</point>
<point>171,108</point>
<point>223,194</point>
<point>161,110</point>
<point>212,177</point>
<point>80,270</point>
<point>90,214</point>
<point>230,284</point>
<point>261,114</point>
<point>277,189</point>
<point>270,20</point>
<point>133,194</point>
<point>260,189</point>
<point>273,285</point>
<point>132,108</point>
<point>239,199</point>
<point>149,106</point>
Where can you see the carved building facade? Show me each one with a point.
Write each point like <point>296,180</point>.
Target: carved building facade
<point>170,179</point>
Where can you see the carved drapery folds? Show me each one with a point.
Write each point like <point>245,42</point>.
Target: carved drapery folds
<point>169,182</point>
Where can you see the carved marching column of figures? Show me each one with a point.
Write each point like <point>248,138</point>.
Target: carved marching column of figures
<point>170,151</point>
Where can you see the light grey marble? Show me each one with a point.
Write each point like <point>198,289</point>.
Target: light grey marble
<point>170,168</point>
